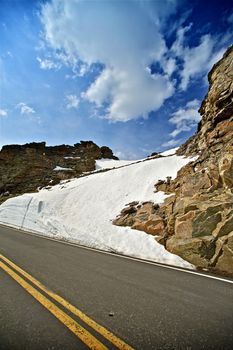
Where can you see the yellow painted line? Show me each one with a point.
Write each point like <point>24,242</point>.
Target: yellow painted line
<point>78,330</point>
<point>120,344</point>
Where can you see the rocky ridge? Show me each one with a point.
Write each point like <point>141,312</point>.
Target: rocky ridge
<point>196,220</point>
<point>25,168</point>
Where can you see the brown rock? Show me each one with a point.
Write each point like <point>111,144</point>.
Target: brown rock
<point>128,210</point>
<point>224,227</point>
<point>225,260</point>
<point>125,220</point>
<point>24,168</point>
<point>184,225</point>
<point>206,221</point>
<point>194,184</point>
<point>133,204</point>
<point>138,225</point>
<point>226,170</point>
<point>154,227</point>
<point>188,249</point>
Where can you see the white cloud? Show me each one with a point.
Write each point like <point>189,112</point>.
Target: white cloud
<point>131,94</point>
<point>197,60</point>
<point>125,38</point>
<point>178,46</point>
<point>48,64</point>
<point>171,143</point>
<point>3,113</point>
<point>72,101</point>
<point>83,69</point>
<point>185,118</point>
<point>169,65</point>
<point>24,108</point>
<point>104,33</point>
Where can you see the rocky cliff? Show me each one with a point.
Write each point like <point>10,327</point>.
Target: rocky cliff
<point>25,168</point>
<point>196,221</point>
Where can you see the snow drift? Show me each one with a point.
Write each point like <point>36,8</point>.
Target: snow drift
<point>82,210</point>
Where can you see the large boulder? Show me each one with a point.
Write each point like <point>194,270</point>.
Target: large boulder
<point>141,217</point>
<point>226,170</point>
<point>225,259</point>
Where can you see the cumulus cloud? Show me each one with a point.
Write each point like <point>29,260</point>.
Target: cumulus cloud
<point>178,45</point>
<point>196,60</point>
<point>126,38</point>
<point>3,113</point>
<point>24,108</point>
<point>185,118</point>
<point>131,94</point>
<point>72,101</point>
<point>125,46</point>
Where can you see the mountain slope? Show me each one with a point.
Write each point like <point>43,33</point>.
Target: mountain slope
<point>24,168</point>
<point>82,210</point>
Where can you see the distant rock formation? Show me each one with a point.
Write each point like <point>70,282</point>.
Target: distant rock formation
<point>196,222</point>
<point>25,168</point>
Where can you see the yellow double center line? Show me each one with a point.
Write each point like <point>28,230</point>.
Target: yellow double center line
<point>85,336</point>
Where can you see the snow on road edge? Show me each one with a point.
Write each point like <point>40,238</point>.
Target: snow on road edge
<point>82,210</point>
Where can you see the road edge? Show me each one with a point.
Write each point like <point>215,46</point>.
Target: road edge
<point>116,254</point>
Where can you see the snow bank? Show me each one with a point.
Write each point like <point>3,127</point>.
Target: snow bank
<point>169,152</point>
<point>111,163</point>
<point>82,210</point>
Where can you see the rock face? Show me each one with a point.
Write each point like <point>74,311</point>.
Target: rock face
<point>143,217</point>
<point>24,168</point>
<point>196,221</point>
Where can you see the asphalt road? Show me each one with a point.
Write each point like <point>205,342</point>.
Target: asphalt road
<point>146,306</point>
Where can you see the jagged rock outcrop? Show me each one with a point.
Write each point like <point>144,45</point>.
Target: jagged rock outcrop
<point>196,221</point>
<point>143,217</point>
<point>24,168</point>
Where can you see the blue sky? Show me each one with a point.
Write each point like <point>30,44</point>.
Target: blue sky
<point>128,74</point>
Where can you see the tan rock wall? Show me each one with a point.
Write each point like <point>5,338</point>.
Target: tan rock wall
<point>197,221</point>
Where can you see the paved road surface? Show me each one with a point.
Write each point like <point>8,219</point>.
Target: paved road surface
<point>143,305</point>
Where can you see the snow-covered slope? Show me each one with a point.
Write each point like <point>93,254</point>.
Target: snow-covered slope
<point>111,163</point>
<point>81,210</point>
<point>169,152</point>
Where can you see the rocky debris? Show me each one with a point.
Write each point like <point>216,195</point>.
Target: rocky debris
<point>154,155</point>
<point>106,152</point>
<point>163,185</point>
<point>142,217</point>
<point>196,221</point>
<point>25,168</point>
